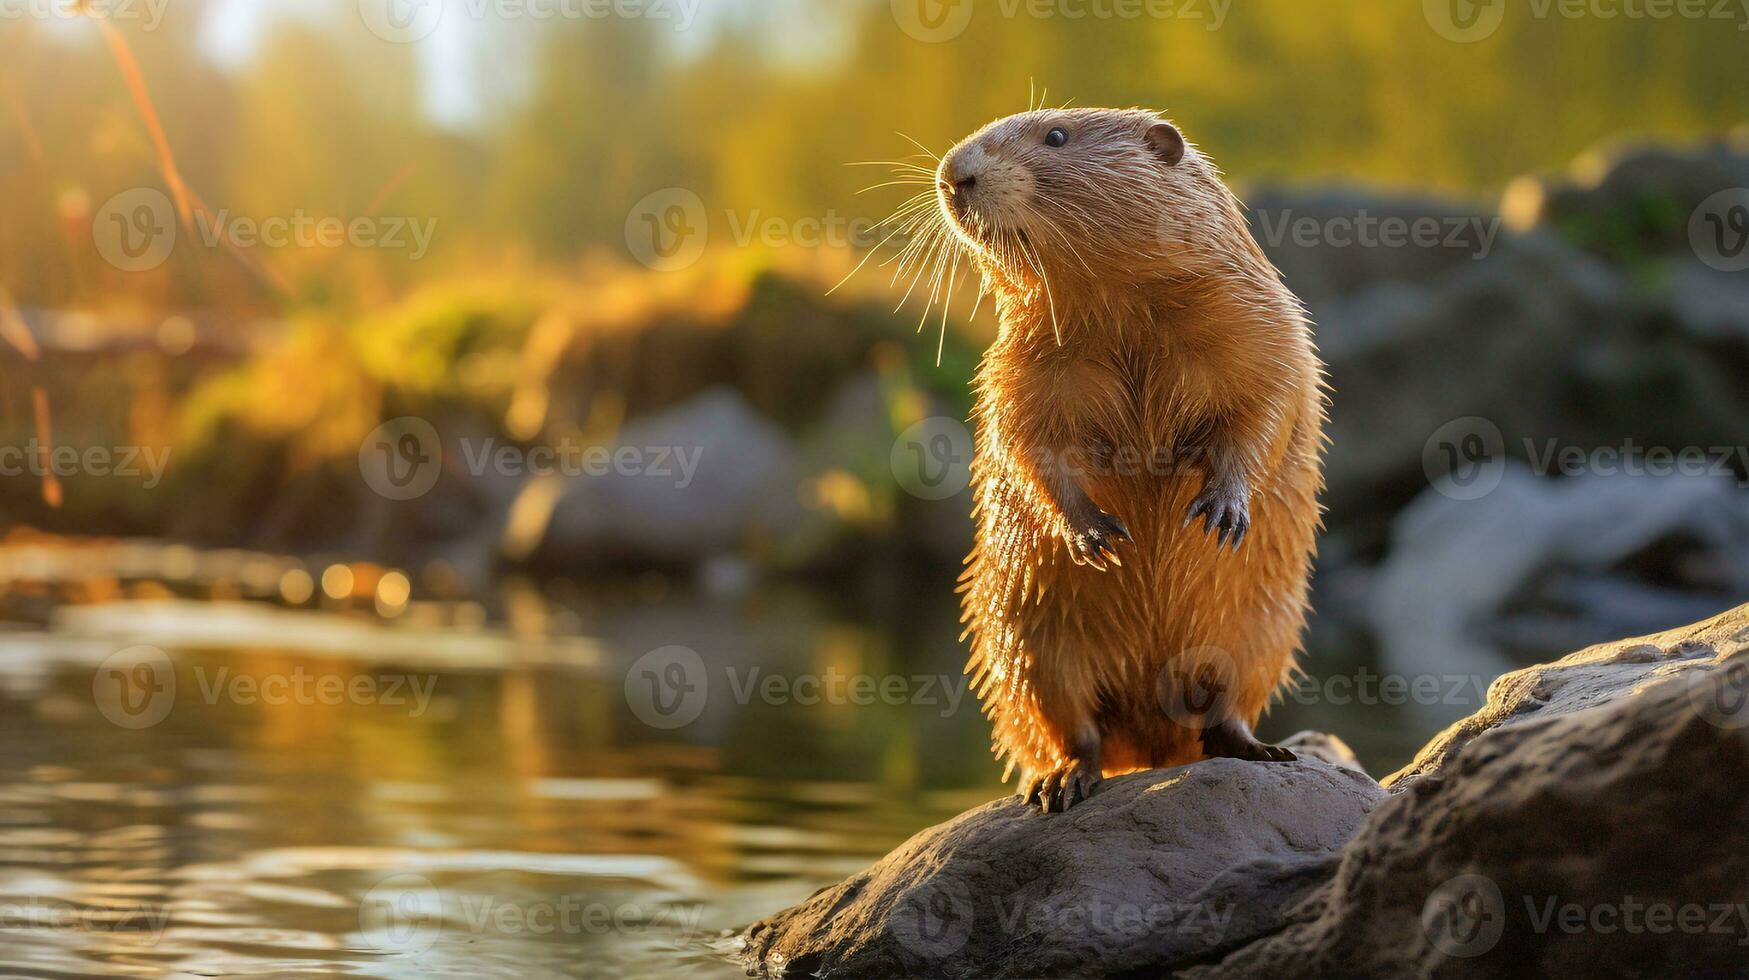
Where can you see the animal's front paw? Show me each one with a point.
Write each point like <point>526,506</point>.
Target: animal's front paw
<point>1093,539</point>
<point>1223,506</point>
<point>1060,788</point>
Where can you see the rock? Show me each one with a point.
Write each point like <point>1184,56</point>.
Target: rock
<point>856,435</point>
<point>1323,747</point>
<point>1331,242</point>
<point>1583,313</point>
<point>1589,821</point>
<point>1484,340</point>
<point>741,481</point>
<point>1440,601</point>
<point>1162,866</point>
<point>1708,305</point>
<point>1599,675</point>
<point>1634,201</point>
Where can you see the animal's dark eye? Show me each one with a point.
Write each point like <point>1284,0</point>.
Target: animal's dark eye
<point>1056,137</point>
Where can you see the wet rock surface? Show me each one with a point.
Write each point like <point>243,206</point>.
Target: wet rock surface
<point>1165,866</point>
<point>1589,820</point>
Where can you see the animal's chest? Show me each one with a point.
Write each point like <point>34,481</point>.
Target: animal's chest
<point>1106,407</point>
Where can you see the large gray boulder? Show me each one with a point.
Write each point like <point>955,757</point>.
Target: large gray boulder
<point>1589,820</point>
<point>1165,866</point>
<point>697,481</point>
<point>1532,564</point>
<point>1334,241</point>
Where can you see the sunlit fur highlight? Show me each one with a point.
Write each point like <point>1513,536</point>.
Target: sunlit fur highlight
<point>1136,311</point>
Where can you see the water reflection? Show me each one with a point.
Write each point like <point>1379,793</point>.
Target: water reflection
<point>322,792</point>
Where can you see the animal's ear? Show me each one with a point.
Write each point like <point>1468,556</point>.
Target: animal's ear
<point>1166,142</point>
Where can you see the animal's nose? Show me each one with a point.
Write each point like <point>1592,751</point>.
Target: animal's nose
<point>956,178</point>
<point>956,186</point>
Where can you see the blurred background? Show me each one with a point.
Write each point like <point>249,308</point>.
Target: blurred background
<point>441,490</point>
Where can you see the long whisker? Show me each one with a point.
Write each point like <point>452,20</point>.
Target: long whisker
<point>919,199</point>
<point>941,340</point>
<point>895,183</point>
<point>1050,300</point>
<point>1057,232</point>
<point>983,285</point>
<point>920,146</point>
<point>935,281</point>
<point>871,254</point>
<point>937,242</point>
<point>928,224</point>
<point>916,202</point>
<point>887,163</point>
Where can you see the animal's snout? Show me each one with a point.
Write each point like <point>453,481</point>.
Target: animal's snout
<point>954,186</point>
<point>959,170</point>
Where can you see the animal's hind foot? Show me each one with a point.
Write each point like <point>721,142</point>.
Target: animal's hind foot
<point>1232,739</point>
<point>1061,788</point>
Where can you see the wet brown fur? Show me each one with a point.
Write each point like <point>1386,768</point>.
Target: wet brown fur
<point>1165,339</point>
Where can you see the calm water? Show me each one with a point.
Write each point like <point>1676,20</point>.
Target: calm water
<point>201,788</point>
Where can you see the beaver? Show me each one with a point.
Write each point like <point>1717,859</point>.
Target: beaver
<point>1149,426</point>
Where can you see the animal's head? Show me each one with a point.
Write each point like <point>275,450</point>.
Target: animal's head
<point>1060,194</point>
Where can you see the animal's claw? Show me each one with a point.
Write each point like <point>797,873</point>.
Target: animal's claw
<point>1061,788</point>
<point>1225,508</point>
<point>1094,541</point>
